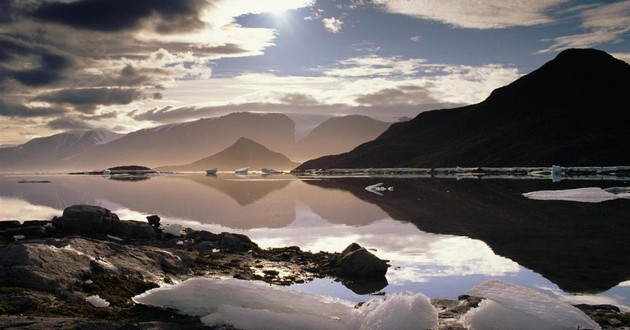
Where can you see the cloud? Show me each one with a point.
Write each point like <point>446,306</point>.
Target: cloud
<point>87,99</point>
<point>403,95</point>
<point>332,24</point>
<point>481,14</point>
<point>68,123</point>
<point>622,56</point>
<point>607,23</point>
<point>374,65</point>
<point>30,65</point>
<point>163,16</point>
<point>18,110</point>
<point>415,38</point>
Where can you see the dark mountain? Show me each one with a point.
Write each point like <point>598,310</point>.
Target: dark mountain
<point>52,152</point>
<point>571,111</point>
<point>188,142</point>
<point>243,153</point>
<point>338,134</point>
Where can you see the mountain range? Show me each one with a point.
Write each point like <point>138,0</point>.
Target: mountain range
<point>53,151</point>
<point>568,112</point>
<point>184,143</point>
<point>243,153</point>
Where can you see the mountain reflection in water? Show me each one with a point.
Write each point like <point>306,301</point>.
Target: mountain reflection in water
<point>437,231</point>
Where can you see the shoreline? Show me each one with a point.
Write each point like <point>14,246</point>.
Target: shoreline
<point>48,270</point>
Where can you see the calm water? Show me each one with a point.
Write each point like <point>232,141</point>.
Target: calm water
<point>443,236</point>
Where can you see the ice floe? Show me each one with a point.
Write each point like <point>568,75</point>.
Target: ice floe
<point>97,301</point>
<point>587,195</point>
<point>510,306</point>
<point>253,305</point>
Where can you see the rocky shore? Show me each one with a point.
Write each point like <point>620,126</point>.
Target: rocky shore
<point>53,273</point>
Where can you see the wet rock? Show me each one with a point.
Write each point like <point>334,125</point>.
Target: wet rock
<point>88,219</point>
<point>356,261</point>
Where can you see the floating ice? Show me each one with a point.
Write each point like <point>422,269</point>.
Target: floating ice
<point>254,305</point>
<point>97,301</point>
<point>587,195</point>
<point>510,306</point>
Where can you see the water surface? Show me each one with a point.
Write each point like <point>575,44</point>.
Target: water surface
<point>443,236</point>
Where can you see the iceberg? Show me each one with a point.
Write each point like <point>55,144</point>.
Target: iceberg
<point>509,306</point>
<point>256,305</point>
<point>586,195</point>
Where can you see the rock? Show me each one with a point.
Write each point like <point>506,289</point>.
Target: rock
<point>154,221</point>
<point>87,219</point>
<point>9,224</point>
<point>203,236</point>
<point>35,223</point>
<point>356,261</point>
<point>134,229</point>
<point>231,242</point>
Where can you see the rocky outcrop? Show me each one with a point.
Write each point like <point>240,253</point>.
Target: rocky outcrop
<point>357,262</point>
<point>93,220</point>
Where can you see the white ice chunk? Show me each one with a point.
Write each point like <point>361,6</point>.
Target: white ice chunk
<point>173,229</point>
<point>410,311</point>
<point>587,195</point>
<point>510,306</point>
<point>97,301</point>
<point>255,305</point>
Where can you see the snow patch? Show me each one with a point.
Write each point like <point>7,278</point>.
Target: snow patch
<point>256,305</point>
<point>586,195</point>
<point>510,306</point>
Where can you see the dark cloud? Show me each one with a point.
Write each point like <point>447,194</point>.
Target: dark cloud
<point>163,16</point>
<point>68,123</point>
<point>44,65</point>
<point>18,110</point>
<point>87,99</point>
<point>404,96</point>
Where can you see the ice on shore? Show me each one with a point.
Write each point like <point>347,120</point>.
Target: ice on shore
<point>587,195</point>
<point>97,301</point>
<point>254,305</point>
<point>510,306</point>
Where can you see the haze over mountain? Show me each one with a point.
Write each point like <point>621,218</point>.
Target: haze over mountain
<point>53,151</point>
<point>188,142</point>
<point>243,153</point>
<point>571,111</point>
<point>338,134</point>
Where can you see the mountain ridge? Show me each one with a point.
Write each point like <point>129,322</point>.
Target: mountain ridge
<point>555,115</point>
<point>242,153</point>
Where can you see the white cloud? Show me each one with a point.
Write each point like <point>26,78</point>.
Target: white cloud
<point>622,56</point>
<point>332,24</point>
<point>374,65</point>
<point>480,14</point>
<point>605,24</point>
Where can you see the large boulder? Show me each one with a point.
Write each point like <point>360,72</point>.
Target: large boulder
<point>357,262</point>
<point>90,219</point>
<point>86,219</point>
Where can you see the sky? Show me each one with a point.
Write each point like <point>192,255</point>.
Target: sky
<point>125,65</point>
